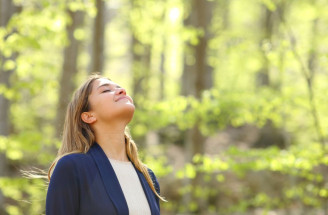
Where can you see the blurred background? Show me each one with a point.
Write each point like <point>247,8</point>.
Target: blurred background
<point>230,96</point>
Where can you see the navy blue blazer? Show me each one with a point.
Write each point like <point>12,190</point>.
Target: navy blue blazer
<point>86,184</point>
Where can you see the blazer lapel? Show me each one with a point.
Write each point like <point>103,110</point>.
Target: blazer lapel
<point>149,193</point>
<point>109,179</point>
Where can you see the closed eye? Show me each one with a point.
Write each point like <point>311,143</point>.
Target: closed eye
<point>106,91</point>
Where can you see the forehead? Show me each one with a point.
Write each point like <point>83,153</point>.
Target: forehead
<point>101,81</point>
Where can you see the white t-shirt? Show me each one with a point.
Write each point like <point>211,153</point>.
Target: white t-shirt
<point>131,186</point>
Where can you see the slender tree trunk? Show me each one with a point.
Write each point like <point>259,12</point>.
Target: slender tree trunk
<point>7,10</point>
<point>141,57</point>
<point>140,69</point>
<point>269,134</point>
<point>196,77</point>
<point>162,73</point>
<point>69,69</point>
<point>224,12</point>
<point>312,65</point>
<point>140,76</point>
<point>98,42</point>
<point>267,24</point>
<point>197,74</point>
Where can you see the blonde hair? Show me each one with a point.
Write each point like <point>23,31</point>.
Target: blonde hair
<point>78,136</point>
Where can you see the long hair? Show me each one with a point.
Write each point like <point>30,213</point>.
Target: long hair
<point>78,136</point>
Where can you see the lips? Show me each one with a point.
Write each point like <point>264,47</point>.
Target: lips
<point>123,97</point>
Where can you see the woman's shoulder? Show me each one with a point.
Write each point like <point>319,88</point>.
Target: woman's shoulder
<point>73,166</point>
<point>74,157</point>
<point>73,160</point>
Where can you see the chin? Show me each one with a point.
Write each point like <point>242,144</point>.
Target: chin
<point>128,113</point>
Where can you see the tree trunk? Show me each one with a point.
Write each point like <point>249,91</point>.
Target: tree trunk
<point>7,10</point>
<point>140,75</point>
<point>196,77</point>
<point>98,41</point>
<point>140,69</point>
<point>69,69</point>
<point>141,56</point>
<point>267,24</point>
<point>197,74</point>
<point>312,63</point>
<point>162,73</point>
<point>269,134</point>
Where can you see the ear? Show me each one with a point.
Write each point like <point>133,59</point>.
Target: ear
<point>88,117</point>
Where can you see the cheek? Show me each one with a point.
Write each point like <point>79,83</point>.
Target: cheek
<point>105,105</point>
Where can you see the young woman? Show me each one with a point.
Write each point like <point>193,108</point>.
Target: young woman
<point>97,170</point>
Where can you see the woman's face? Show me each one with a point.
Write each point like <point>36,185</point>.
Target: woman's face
<point>109,102</point>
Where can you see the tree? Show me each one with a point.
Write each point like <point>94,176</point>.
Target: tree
<point>69,67</point>
<point>7,9</point>
<point>197,76</point>
<point>269,24</point>
<point>98,41</point>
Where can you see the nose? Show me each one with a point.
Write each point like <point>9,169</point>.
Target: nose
<point>121,91</point>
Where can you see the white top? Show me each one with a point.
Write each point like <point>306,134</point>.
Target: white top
<point>131,186</point>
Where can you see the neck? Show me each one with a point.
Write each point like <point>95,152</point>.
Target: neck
<point>112,141</point>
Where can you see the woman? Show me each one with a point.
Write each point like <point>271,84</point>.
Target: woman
<point>97,170</point>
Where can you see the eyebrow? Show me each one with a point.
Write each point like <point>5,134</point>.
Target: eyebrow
<point>117,86</point>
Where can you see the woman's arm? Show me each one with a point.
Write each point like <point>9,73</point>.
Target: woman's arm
<point>63,190</point>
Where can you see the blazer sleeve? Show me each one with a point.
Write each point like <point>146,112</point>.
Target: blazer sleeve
<point>156,185</point>
<point>63,191</point>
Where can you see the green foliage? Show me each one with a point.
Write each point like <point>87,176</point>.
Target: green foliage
<point>157,163</point>
<point>16,190</point>
<point>216,110</point>
<point>298,163</point>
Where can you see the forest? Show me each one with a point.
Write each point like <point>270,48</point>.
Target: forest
<point>231,112</point>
